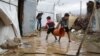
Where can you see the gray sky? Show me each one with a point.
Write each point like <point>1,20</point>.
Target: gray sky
<point>64,6</point>
<point>72,6</point>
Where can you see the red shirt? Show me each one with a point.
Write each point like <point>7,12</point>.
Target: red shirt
<point>50,24</point>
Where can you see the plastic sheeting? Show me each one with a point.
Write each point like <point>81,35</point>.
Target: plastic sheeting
<point>47,9</point>
<point>6,32</point>
<point>29,20</point>
<point>6,21</point>
<point>97,17</point>
<point>8,13</point>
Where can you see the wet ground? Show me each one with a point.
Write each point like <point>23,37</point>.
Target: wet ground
<point>38,46</point>
<point>51,47</point>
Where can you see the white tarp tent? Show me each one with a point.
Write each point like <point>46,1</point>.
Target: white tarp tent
<point>29,19</point>
<point>47,9</point>
<point>97,17</point>
<point>8,14</point>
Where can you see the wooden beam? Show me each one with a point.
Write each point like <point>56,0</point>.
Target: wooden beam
<point>20,14</point>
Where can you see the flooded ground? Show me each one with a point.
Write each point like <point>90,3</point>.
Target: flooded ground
<point>38,46</point>
<point>51,47</point>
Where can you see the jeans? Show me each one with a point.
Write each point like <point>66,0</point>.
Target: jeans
<point>39,25</point>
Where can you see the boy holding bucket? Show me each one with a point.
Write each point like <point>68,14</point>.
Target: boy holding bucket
<point>50,27</point>
<point>64,24</point>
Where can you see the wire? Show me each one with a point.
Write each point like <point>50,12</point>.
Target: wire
<point>8,3</point>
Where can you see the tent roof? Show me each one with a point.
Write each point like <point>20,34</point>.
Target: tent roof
<point>4,18</point>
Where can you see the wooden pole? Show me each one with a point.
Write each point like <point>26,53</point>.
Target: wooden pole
<point>20,14</point>
<point>84,37</point>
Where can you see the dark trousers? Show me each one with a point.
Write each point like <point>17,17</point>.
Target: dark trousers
<point>50,30</point>
<point>39,25</point>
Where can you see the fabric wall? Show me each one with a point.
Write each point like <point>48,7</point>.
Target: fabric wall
<point>97,17</point>
<point>8,14</point>
<point>29,20</point>
<point>47,9</point>
<point>11,12</point>
<point>6,32</point>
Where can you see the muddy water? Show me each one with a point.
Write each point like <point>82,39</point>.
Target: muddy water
<point>50,47</point>
<point>41,47</point>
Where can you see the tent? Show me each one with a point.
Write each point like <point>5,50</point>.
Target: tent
<point>29,17</point>
<point>97,17</point>
<point>9,28</point>
<point>47,9</point>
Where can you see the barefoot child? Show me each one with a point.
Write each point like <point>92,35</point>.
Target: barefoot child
<point>50,27</point>
<point>64,24</point>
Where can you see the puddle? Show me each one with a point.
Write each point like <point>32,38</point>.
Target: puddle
<point>25,45</point>
<point>2,51</point>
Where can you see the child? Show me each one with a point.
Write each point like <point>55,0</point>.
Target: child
<point>64,24</point>
<point>50,27</point>
<point>39,18</point>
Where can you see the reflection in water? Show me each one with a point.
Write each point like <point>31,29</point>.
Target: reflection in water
<point>50,47</point>
<point>53,47</point>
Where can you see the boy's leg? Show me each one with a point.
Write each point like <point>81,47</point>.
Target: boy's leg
<point>68,36</point>
<point>48,32</point>
<point>53,34</point>
<point>37,24</point>
<point>59,38</point>
<point>40,25</point>
<point>47,37</point>
<point>68,33</point>
<point>55,37</point>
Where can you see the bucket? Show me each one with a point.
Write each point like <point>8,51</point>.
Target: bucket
<point>59,32</point>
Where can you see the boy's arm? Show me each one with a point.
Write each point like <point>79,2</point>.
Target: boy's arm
<point>58,24</point>
<point>46,26</point>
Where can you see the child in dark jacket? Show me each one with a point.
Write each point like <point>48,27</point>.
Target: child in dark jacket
<point>64,24</point>
<point>50,27</point>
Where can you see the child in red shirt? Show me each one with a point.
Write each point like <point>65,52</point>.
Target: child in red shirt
<point>50,27</point>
